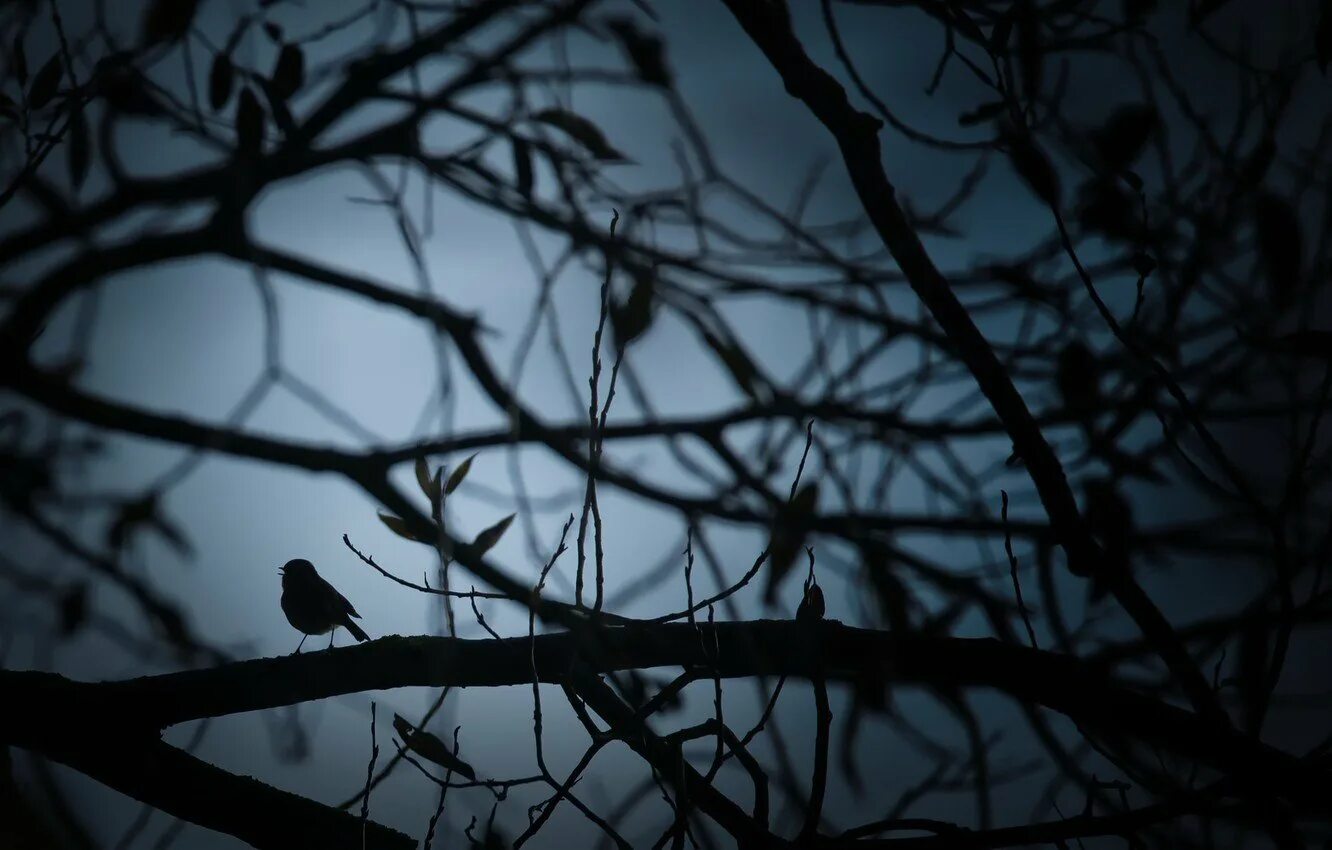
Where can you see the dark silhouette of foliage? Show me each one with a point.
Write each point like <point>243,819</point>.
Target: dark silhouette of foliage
<point>1133,398</point>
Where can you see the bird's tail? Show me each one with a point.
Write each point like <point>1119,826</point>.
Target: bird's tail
<point>356,631</point>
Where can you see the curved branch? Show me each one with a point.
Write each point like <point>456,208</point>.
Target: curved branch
<point>857,137</point>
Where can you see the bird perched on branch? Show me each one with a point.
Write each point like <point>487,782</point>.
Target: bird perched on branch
<point>313,606</point>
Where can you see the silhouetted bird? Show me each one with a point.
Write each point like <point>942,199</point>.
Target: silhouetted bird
<point>313,606</point>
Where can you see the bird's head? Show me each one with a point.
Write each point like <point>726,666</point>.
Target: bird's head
<point>297,569</point>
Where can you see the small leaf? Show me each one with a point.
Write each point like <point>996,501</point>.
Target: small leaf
<point>1110,520</point>
<point>486,540</point>
<point>582,131</point>
<point>18,62</point>
<point>984,112</point>
<point>73,609</point>
<point>431,748</point>
<point>402,726</point>
<point>168,20</point>
<point>1031,53</point>
<point>398,527</point>
<point>123,87</point>
<point>893,598</point>
<point>220,79</point>
<point>1078,378</point>
<point>1121,139</point>
<point>805,499</point>
<point>45,83</point>
<point>8,108</point>
<point>522,167</point>
<point>277,108</point>
<point>423,479</point>
<point>789,528</point>
<point>1143,263</point>
<point>1280,246</point>
<point>812,605</point>
<point>632,318</point>
<point>1002,32</point>
<point>289,72</point>
<point>1256,164</point>
<point>249,124</point>
<point>80,148</point>
<point>458,475</point>
<point>1108,208</point>
<point>644,51</point>
<point>1033,166</point>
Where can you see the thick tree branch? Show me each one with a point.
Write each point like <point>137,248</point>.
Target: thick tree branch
<point>769,25</point>
<point>746,649</point>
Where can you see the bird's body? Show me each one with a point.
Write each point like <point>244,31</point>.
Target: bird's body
<point>313,606</point>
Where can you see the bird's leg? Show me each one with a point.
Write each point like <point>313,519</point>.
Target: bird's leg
<point>299,645</point>
<point>331,635</point>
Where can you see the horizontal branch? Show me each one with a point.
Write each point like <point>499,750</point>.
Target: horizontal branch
<point>45,702</point>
